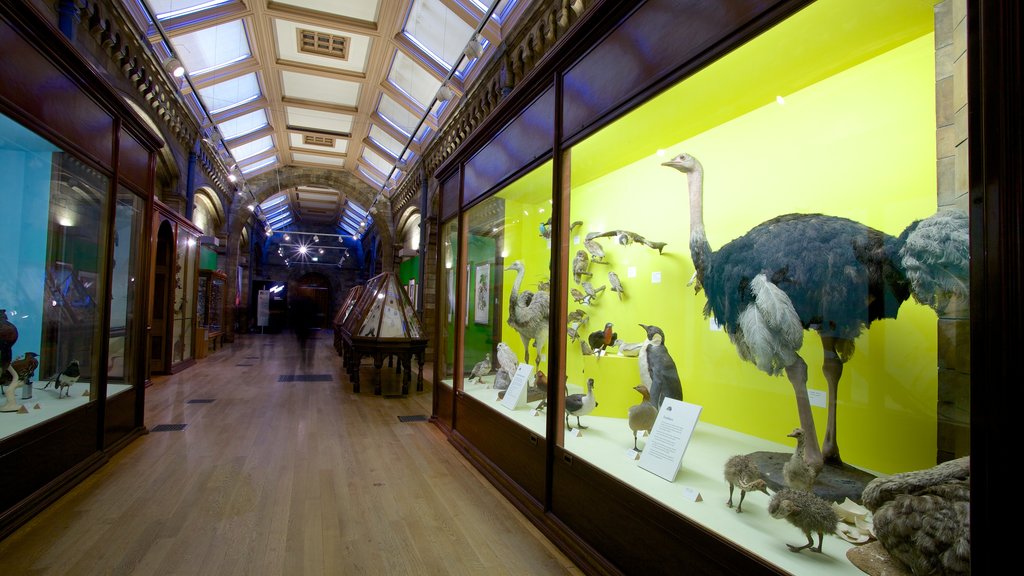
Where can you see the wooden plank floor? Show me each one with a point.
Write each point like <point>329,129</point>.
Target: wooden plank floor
<point>281,478</point>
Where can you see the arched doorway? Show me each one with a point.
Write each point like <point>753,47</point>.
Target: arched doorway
<point>318,288</point>
<point>160,336</point>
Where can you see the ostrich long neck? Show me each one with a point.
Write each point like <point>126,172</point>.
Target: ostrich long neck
<point>519,280</point>
<point>700,250</point>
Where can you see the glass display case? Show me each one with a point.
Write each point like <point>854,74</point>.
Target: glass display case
<point>49,279</point>
<point>508,302</point>
<point>122,371</point>
<point>763,263</point>
<point>210,302</point>
<point>185,287</point>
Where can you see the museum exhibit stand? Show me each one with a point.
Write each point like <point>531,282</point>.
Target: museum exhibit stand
<point>702,248</point>
<point>377,320</point>
<point>78,167</point>
<point>210,302</point>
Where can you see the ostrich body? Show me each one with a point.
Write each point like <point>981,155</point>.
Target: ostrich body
<point>528,314</point>
<point>807,512</point>
<point>829,274</point>
<point>741,471</point>
<point>923,518</point>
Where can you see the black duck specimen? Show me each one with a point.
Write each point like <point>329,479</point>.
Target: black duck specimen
<point>805,511</point>
<point>796,472</point>
<point>923,518</point>
<point>657,369</point>
<point>580,405</point>
<point>528,313</point>
<point>642,415</point>
<point>741,471</point>
<point>825,273</point>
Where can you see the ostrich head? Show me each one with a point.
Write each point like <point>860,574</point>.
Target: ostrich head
<point>517,266</point>
<point>654,334</point>
<point>684,163</point>
<point>797,433</point>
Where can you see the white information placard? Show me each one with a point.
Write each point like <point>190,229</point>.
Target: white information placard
<point>263,308</point>
<point>669,438</point>
<point>515,396</point>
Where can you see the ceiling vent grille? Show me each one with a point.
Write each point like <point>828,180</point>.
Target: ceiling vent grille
<point>323,44</point>
<point>325,141</point>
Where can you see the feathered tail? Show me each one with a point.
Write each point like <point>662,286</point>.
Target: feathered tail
<point>770,331</point>
<point>935,256</point>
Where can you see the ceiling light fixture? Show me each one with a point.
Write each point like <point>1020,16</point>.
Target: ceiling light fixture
<point>316,238</point>
<point>174,67</point>
<point>445,93</point>
<point>475,47</point>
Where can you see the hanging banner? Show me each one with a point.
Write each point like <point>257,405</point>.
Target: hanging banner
<point>263,308</point>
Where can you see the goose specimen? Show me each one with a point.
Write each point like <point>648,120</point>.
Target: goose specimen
<point>642,415</point>
<point>580,405</point>
<point>801,272</point>
<point>528,313</point>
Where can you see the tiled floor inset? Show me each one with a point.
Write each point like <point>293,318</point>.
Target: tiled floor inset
<point>168,428</point>
<point>305,378</point>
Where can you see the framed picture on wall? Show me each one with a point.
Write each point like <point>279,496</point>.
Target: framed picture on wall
<point>482,294</point>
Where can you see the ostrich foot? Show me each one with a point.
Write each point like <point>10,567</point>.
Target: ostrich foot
<point>739,508</point>
<point>795,548</point>
<point>830,452</point>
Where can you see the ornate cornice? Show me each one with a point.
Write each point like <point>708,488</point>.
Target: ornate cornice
<point>128,51</point>
<point>523,49</point>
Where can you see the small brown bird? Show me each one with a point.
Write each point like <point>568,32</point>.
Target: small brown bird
<point>741,471</point>
<point>613,279</point>
<point>579,297</point>
<point>642,415</point>
<point>591,291</point>
<point>481,368</point>
<point>805,511</point>
<point>579,316</point>
<point>580,265</point>
<point>25,366</point>
<point>596,251</point>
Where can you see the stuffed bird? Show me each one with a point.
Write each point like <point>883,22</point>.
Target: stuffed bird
<point>580,405</point>
<point>657,369</point>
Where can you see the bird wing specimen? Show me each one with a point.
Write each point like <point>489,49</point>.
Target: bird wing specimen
<point>625,238</point>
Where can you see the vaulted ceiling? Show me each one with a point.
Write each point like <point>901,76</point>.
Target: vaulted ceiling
<point>324,84</point>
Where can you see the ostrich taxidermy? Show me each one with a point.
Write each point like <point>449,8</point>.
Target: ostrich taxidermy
<point>741,471</point>
<point>811,271</point>
<point>797,474</point>
<point>808,512</point>
<point>923,518</point>
<point>528,314</point>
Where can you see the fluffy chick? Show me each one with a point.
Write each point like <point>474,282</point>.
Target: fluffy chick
<point>741,471</point>
<point>807,512</point>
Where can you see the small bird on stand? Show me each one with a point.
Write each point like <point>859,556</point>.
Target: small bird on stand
<point>613,279</point>
<point>580,405</point>
<point>580,265</point>
<point>591,291</point>
<point>642,415</point>
<point>599,340</point>
<point>545,229</point>
<point>595,249</point>
<point>657,369</point>
<point>68,376</point>
<point>481,369</point>
<point>579,297</point>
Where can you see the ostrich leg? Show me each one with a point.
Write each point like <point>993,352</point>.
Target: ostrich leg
<point>526,347</point>
<point>797,374</point>
<point>832,367</point>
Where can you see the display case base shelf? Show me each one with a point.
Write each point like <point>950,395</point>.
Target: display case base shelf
<point>19,514</point>
<point>587,559</point>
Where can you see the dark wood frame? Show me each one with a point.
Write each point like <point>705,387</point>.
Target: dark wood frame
<point>88,118</point>
<point>567,516</point>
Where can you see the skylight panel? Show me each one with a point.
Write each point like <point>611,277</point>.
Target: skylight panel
<point>282,220</point>
<point>273,201</point>
<point>165,9</point>
<point>231,93</point>
<point>261,164</point>
<point>413,79</point>
<point>377,161</point>
<point>438,30</point>
<point>244,124</point>
<point>500,12</point>
<point>355,208</point>
<point>386,141</point>
<point>250,149</point>
<point>277,211</point>
<point>396,115</point>
<point>369,176</point>
<point>214,47</point>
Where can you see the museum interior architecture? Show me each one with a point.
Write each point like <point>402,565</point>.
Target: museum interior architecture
<point>469,286</point>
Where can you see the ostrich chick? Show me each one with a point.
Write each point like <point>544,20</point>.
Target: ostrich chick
<point>580,405</point>
<point>796,472</point>
<point>642,415</point>
<point>741,471</point>
<point>805,511</point>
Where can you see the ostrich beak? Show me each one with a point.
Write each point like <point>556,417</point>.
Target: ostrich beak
<point>673,163</point>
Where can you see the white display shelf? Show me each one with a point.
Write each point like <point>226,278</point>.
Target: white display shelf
<point>50,405</point>
<point>606,444</point>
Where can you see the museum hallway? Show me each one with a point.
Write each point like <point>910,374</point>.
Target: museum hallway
<point>281,471</point>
